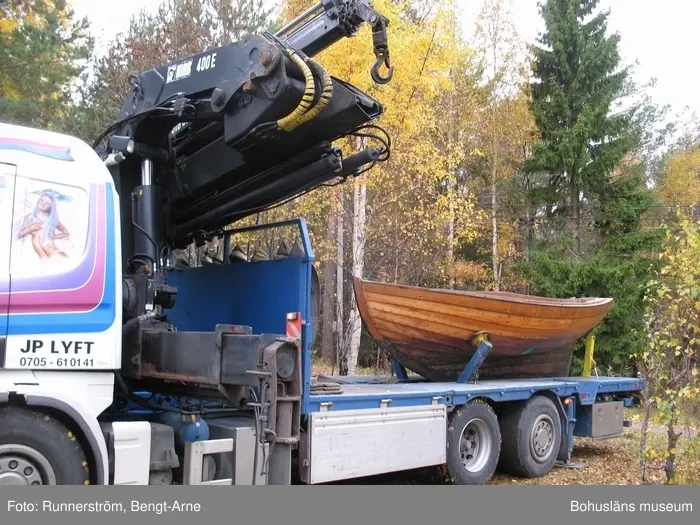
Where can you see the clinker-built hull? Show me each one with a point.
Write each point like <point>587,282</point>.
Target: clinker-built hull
<point>432,331</point>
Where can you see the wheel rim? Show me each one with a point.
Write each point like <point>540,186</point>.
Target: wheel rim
<point>475,445</point>
<point>542,438</point>
<point>22,465</point>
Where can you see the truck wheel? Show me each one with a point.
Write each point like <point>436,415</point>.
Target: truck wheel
<point>36,449</point>
<point>473,444</point>
<point>531,438</point>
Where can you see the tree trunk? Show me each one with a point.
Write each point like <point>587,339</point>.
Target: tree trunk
<point>495,35</point>
<point>339,295</point>
<point>670,465</point>
<point>494,233</point>
<point>451,247</point>
<point>647,391</point>
<point>358,253</point>
<point>328,313</point>
<point>530,235</point>
<point>645,433</point>
<point>575,215</point>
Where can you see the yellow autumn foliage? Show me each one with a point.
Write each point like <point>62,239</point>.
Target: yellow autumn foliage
<point>408,208</point>
<point>41,46</point>
<point>681,183</point>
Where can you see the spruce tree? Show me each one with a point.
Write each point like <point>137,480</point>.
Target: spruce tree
<point>586,155</point>
<point>577,80</point>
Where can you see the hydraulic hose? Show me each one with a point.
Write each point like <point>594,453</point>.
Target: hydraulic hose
<point>134,321</point>
<point>290,122</point>
<point>326,94</point>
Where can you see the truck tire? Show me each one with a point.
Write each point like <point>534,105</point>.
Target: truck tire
<point>37,449</point>
<point>531,438</point>
<point>473,444</point>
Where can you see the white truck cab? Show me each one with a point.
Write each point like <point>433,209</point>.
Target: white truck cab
<point>60,295</point>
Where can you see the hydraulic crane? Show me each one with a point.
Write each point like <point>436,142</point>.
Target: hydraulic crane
<point>221,135</point>
<point>211,139</point>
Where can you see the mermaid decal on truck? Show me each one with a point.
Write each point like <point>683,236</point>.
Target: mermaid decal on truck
<point>45,227</point>
<point>49,230</point>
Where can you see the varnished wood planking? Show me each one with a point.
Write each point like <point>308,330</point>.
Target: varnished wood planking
<point>440,326</point>
<point>512,304</point>
<point>513,326</point>
<point>429,331</point>
<point>476,311</point>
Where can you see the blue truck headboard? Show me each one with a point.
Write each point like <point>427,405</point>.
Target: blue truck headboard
<point>255,294</point>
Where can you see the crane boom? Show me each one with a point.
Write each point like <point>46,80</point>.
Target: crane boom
<point>224,134</point>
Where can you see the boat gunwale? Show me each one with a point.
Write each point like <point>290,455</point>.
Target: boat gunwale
<point>529,300</point>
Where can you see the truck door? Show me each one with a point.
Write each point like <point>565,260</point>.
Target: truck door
<point>7,190</point>
<point>57,268</point>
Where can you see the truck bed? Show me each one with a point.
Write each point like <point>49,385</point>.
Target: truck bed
<point>360,392</point>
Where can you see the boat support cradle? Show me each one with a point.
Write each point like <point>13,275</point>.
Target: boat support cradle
<point>471,372</point>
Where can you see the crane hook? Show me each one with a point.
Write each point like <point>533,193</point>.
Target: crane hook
<point>376,75</point>
<point>381,51</point>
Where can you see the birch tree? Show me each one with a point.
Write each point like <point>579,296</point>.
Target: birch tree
<point>507,124</point>
<point>395,214</point>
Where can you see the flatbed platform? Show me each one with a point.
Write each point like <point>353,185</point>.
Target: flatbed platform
<point>365,392</point>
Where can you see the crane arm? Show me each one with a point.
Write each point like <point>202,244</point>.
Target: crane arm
<point>221,135</point>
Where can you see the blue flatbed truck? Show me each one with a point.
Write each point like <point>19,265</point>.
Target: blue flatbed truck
<point>119,366</point>
<point>378,424</point>
<point>370,425</point>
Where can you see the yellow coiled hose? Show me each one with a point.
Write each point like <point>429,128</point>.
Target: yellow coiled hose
<point>326,94</point>
<point>292,120</point>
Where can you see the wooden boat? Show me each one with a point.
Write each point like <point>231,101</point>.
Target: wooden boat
<point>432,332</point>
